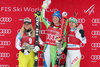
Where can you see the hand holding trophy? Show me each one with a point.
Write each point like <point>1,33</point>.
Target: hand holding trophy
<point>46,4</point>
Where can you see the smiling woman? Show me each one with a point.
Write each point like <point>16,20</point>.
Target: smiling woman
<point>25,43</point>
<point>27,26</point>
<point>53,32</point>
<point>75,38</point>
<point>26,39</point>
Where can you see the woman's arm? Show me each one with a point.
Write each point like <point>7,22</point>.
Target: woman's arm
<point>45,21</point>
<point>83,40</point>
<point>80,35</point>
<point>18,41</point>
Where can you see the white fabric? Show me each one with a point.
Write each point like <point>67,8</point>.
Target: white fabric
<point>36,49</point>
<point>17,44</point>
<point>26,52</point>
<point>41,42</point>
<point>71,56</point>
<point>84,40</point>
<point>59,51</point>
<point>78,35</point>
<point>47,56</point>
<point>73,46</point>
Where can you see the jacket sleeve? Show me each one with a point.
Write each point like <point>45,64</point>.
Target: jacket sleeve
<point>45,20</point>
<point>18,41</point>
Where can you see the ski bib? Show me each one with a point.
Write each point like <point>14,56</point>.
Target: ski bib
<point>72,38</point>
<point>27,39</point>
<point>52,34</point>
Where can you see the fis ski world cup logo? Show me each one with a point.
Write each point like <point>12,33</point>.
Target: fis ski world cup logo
<point>90,10</point>
<point>4,55</point>
<point>95,21</point>
<point>95,33</point>
<point>95,46</point>
<point>4,65</point>
<point>95,58</point>
<point>4,20</point>
<point>3,32</point>
<point>4,43</point>
<point>24,9</point>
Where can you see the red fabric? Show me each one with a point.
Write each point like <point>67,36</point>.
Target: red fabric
<point>27,39</point>
<point>72,38</point>
<point>73,48</point>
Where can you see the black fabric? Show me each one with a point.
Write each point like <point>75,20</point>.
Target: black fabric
<point>65,51</point>
<point>22,50</point>
<point>81,32</point>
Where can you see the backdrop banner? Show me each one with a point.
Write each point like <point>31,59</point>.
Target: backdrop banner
<point>12,13</point>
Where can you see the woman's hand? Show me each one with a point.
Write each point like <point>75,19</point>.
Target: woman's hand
<point>81,31</point>
<point>46,4</point>
<point>25,51</point>
<point>36,49</point>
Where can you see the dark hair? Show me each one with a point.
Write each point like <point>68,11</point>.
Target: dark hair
<point>52,24</point>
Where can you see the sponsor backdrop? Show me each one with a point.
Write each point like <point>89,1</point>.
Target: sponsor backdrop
<point>12,13</point>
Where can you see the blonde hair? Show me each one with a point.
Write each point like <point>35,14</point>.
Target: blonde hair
<point>22,30</point>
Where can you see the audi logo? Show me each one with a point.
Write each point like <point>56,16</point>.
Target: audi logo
<point>5,19</point>
<point>95,57</point>
<point>17,54</point>
<point>95,32</point>
<point>4,54</point>
<point>95,20</point>
<point>81,20</point>
<point>4,65</point>
<point>18,30</point>
<point>95,44</point>
<point>7,31</point>
<point>5,43</point>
